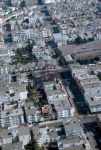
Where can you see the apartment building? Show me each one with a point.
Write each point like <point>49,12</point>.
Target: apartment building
<point>59,97</point>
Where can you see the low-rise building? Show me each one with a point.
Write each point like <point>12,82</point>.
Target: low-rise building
<point>89,85</point>
<point>59,98</point>
<point>15,137</point>
<point>11,118</point>
<point>68,135</point>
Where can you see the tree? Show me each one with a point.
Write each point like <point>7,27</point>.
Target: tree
<point>32,145</point>
<point>0,148</point>
<point>79,40</point>
<point>22,4</point>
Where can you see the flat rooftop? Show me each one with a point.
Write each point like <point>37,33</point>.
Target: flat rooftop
<point>57,93</point>
<point>92,47</point>
<point>93,95</point>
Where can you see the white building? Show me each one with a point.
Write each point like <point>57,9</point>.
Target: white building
<point>60,98</point>
<point>11,118</point>
<point>18,136</point>
<point>89,84</point>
